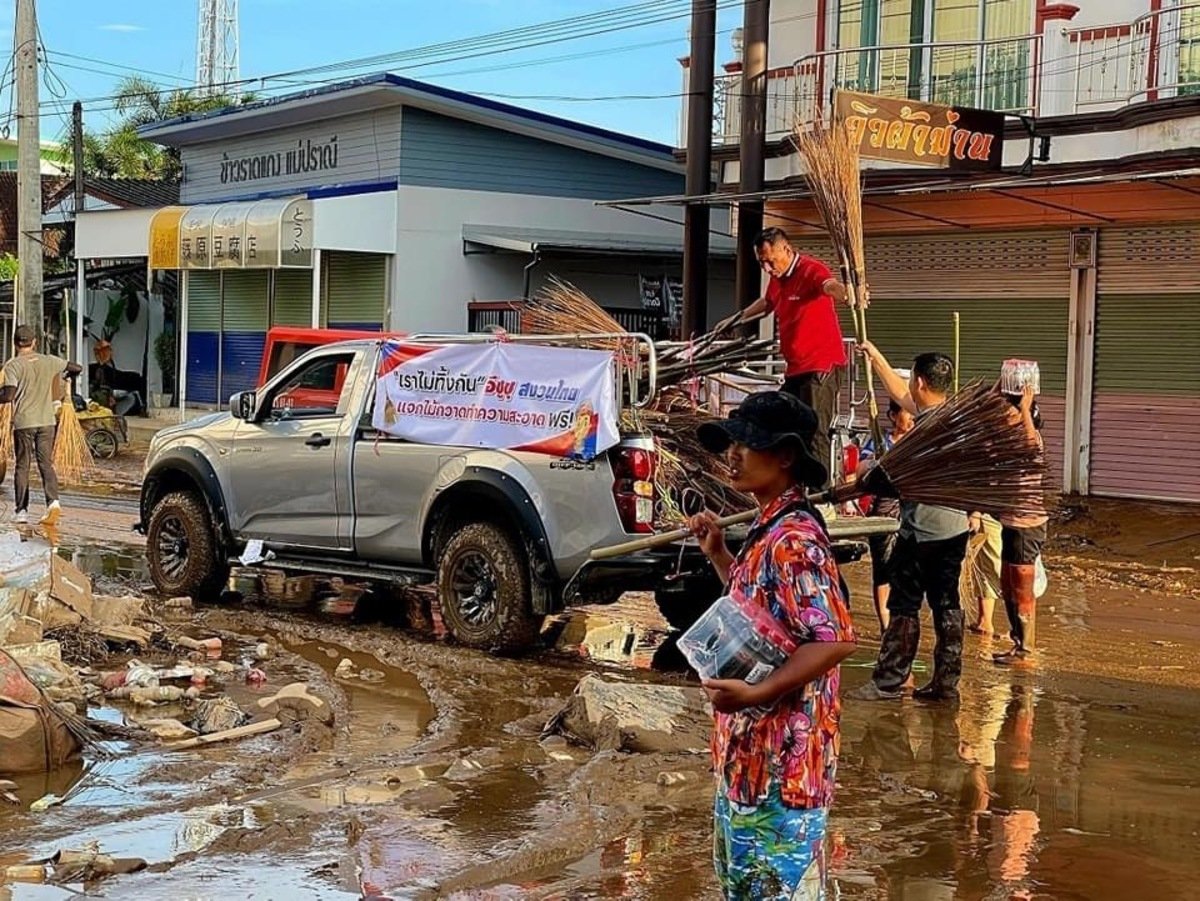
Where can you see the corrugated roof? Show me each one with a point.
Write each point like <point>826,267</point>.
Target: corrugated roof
<point>134,193</point>
<point>52,187</point>
<point>517,239</point>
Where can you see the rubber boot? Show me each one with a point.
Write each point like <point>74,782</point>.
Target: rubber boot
<point>896,654</point>
<point>947,657</point>
<point>1020,604</point>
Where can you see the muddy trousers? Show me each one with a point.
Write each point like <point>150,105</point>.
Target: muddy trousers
<point>923,571</point>
<point>1016,585</point>
<point>819,390</point>
<point>30,445</point>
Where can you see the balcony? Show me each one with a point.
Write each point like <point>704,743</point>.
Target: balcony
<point>1155,57</point>
<point>1064,72</point>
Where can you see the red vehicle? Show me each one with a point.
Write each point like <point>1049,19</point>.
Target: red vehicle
<point>285,344</point>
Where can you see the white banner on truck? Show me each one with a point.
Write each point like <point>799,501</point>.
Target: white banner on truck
<point>550,400</point>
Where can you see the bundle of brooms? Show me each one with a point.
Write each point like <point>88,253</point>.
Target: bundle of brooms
<point>562,309</point>
<point>688,477</point>
<point>831,168</point>
<point>968,454</point>
<point>72,456</point>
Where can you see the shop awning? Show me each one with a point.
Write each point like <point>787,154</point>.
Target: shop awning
<point>264,234</point>
<point>890,183</point>
<point>510,239</point>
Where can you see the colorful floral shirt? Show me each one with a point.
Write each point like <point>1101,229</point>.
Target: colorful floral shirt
<point>787,567</point>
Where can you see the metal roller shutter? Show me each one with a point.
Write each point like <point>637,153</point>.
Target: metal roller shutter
<point>1145,421</point>
<point>1011,291</point>
<point>204,335</point>
<point>355,290</point>
<point>245,302</point>
<point>292,301</point>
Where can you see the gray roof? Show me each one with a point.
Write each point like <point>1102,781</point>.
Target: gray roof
<point>386,89</point>
<point>516,239</point>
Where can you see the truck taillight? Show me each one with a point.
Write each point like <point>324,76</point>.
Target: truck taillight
<point>633,486</point>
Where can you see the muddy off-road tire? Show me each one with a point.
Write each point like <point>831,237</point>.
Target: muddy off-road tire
<point>182,550</point>
<point>483,590</point>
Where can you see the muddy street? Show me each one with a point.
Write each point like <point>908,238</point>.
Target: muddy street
<point>1074,780</point>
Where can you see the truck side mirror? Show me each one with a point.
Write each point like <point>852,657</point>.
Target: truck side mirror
<point>243,405</point>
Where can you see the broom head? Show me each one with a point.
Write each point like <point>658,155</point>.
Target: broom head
<point>971,453</point>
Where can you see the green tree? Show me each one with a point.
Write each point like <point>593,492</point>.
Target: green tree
<point>120,153</point>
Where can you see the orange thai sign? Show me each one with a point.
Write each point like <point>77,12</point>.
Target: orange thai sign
<point>922,134</point>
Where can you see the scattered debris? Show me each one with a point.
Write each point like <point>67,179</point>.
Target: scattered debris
<point>260,728</point>
<point>167,729</point>
<point>208,645</point>
<point>35,873</point>
<point>218,715</point>
<point>297,701</point>
<point>345,669</point>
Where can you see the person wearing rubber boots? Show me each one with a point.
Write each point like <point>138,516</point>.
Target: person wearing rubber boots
<point>1021,540</point>
<point>927,560</point>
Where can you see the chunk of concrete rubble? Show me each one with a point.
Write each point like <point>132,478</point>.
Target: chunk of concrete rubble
<point>297,702</point>
<point>605,714</point>
<point>345,669</point>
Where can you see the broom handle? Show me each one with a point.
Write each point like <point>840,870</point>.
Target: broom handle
<point>662,539</point>
<point>859,314</point>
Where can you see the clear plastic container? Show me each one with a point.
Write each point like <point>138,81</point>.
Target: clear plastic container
<point>732,640</point>
<point>1016,374</point>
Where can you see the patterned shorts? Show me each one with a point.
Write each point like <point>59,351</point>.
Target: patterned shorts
<point>771,852</point>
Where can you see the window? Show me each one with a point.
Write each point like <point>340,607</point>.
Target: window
<point>985,58</point>
<point>314,390</point>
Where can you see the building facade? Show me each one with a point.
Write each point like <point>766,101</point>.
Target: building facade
<point>1082,251</point>
<point>388,204</point>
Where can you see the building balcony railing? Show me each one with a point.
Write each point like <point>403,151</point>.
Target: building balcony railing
<point>1157,56</point>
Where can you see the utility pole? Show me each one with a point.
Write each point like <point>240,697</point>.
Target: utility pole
<point>756,30</point>
<point>28,296</point>
<point>80,273</point>
<point>696,216</point>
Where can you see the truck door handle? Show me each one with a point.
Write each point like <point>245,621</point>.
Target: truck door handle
<point>318,440</point>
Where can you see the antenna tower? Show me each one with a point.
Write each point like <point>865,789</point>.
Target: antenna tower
<point>217,46</point>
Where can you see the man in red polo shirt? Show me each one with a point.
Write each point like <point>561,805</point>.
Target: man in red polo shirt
<point>801,294</point>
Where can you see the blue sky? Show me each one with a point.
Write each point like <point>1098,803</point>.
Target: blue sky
<point>159,37</point>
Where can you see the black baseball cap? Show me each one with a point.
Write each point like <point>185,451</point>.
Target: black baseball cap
<point>24,336</point>
<point>767,420</point>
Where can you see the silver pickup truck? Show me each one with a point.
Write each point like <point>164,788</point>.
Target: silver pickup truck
<point>504,536</point>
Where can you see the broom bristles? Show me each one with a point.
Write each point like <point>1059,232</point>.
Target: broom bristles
<point>831,168</point>
<point>968,454</point>
<point>6,432</point>
<point>72,456</point>
<point>560,308</point>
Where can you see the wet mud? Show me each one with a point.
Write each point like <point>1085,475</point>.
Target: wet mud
<point>1070,780</point>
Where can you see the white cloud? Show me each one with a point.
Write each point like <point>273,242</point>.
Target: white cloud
<point>123,28</point>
